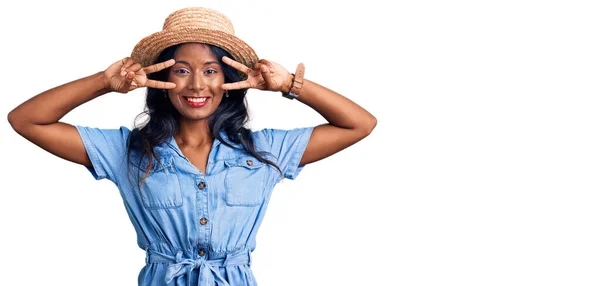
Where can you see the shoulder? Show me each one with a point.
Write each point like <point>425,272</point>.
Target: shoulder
<point>103,138</point>
<point>264,137</point>
<point>270,134</point>
<point>269,138</point>
<point>122,131</point>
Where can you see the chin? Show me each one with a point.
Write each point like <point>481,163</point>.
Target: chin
<point>196,116</point>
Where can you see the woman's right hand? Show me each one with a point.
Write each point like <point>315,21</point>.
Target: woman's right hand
<point>37,119</point>
<point>126,75</point>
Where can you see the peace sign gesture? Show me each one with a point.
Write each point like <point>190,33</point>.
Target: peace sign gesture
<point>126,75</point>
<point>266,75</point>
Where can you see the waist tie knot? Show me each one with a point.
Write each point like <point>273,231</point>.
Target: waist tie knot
<point>209,273</point>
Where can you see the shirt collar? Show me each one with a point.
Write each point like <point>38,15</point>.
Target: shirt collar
<point>173,144</point>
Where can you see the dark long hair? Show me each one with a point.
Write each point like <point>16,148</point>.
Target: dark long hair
<point>230,116</point>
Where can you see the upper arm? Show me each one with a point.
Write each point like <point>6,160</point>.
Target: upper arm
<point>102,151</point>
<point>60,139</point>
<point>298,147</point>
<point>106,150</point>
<point>287,146</point>
<point>327,140</point>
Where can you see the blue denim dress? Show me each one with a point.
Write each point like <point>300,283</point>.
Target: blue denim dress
<point>196,229</point>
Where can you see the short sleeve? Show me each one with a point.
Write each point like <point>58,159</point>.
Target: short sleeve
<point>288,147</point>
<point>107,149</point>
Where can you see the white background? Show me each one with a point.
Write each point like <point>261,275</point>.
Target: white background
<point>483,169</point>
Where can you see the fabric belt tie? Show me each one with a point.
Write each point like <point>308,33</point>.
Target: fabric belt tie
<point>209,272</point>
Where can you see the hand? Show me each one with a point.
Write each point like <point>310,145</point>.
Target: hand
<point>266,75</point>
<point>126,75</point>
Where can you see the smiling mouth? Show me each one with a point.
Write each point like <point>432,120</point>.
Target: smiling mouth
<point>196,101</point>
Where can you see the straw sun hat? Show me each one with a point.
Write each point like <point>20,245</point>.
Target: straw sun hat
<point>200,25</point>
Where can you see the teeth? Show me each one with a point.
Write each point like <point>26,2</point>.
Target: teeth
<point>196,99</point>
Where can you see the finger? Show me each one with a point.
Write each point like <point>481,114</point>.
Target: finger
<point>127,62</point>
<point>159,66</point>
<point>236,65</point>
<point>236,85</point>
<point>134,68</point>
<point>129,79</point>
<point>125,84</point>
<point>133,86</point>
<point>160,84</point>
<point>123,61</point>
<point>266,62</point>
<point>266,74</point>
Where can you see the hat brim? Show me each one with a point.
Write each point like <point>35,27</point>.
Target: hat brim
<point>149,48</point>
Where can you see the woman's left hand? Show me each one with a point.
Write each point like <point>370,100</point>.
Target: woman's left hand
<point>266,75</point>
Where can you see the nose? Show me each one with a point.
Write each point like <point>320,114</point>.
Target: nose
<point>197,82</point>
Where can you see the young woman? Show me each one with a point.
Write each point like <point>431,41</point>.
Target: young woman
<point>195,181</point>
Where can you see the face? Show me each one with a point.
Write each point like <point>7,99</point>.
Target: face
<point>198,77</point>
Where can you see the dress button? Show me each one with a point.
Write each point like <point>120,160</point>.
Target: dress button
<point>202,185</point>
<point>201,252</point>
<point>249,163</point>
<point>203,221</point>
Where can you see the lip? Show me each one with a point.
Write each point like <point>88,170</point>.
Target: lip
<point>196,104</point>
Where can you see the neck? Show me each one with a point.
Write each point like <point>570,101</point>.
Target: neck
<point>193,133</point>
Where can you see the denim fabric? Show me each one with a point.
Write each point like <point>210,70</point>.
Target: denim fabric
<point>196,229</point>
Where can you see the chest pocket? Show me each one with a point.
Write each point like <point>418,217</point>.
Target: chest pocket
<point>245,181</point>
<point>161,189</point>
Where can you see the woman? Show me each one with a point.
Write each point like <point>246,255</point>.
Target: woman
<point>195,181</point>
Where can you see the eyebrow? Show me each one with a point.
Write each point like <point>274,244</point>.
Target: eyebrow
<point>206,63</point>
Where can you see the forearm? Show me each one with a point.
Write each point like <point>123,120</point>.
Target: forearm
<point>50,106</point>
<point>336,109</point>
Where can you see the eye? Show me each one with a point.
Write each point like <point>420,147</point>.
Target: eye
<point>181,71</point>
<point>210,71</point>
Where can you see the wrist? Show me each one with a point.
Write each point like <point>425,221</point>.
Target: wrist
<point>297,80</point>
<point>102,81</point>
<point>288,84</point>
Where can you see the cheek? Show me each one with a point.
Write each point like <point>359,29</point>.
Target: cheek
<point>216,83</point>
<point>174,99</point>
<point>180,83</point>
<point>217,99</point>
